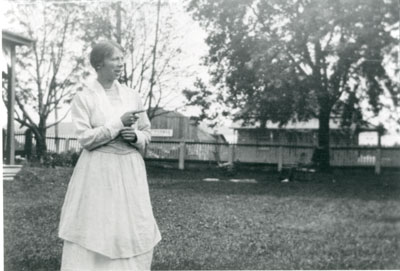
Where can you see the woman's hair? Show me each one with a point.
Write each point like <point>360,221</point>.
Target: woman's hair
<point>101,50</point>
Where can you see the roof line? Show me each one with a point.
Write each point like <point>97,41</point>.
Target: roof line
<point>15,39</point>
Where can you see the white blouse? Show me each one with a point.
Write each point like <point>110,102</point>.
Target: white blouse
<point>97,118</point>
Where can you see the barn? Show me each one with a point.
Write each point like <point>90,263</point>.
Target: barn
<point>174,126</point>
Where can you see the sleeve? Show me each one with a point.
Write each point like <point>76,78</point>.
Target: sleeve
<point>143,132</point>
<point>89,137</point>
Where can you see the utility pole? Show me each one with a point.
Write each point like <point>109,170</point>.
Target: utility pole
<point>153,68</point>
<point>124,77</point>
<point>56,135</point>
<point>119,20</point>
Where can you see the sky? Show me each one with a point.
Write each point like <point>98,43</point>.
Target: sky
<point>192,45</point>
<point>193,49</point>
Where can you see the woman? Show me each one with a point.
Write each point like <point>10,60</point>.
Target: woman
<point>107,221</point>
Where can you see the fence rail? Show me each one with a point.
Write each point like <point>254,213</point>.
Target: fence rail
<point>346,156</point>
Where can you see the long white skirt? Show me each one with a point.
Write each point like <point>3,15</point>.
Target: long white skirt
<point>107,221</point>
<point>77,258</point>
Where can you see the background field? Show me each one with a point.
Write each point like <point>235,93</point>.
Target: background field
<point>349,220</point>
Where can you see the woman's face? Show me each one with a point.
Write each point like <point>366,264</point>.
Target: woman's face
<point>112,66</point>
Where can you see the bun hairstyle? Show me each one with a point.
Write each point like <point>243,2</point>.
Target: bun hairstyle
<point>102,50</point>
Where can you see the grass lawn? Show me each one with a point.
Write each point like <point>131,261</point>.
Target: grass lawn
<point>352,223</point>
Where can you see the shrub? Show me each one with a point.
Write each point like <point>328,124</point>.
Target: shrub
<point>64,159</point>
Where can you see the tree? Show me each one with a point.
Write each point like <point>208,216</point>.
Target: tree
<point>147,32</point>
<point>48,72</point>
<point>300,59</point>
<point>199,97</point>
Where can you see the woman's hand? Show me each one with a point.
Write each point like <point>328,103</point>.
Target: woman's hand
<point>130,117</point>
<point>129,134</point>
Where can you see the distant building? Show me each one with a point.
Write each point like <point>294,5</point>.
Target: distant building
<point>298,133</point>
<point>173,126</point>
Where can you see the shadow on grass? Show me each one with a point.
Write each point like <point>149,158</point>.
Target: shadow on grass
<point>390,219</point>
<point>339,184</point>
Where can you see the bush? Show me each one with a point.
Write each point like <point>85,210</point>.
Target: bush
<point>228,169</point>
<point>64,159</point>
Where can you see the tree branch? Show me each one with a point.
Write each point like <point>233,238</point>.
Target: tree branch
<point>24,112</point>
<point>57,62</point>
<point>296,63</point>
<point>24,123</point>
<point>342,88</point>
<point>60,120</point>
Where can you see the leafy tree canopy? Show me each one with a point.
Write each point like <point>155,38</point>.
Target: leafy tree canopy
<point>281,60</point>
<point>300,59</point>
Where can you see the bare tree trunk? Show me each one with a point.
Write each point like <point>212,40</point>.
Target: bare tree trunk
<point>28,144</point>
<point>323,138</point>
<point>40,134</point>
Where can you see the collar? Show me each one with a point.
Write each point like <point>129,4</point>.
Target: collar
<point>97,89</point>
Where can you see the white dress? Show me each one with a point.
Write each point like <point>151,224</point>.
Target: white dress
<point>107,221</point>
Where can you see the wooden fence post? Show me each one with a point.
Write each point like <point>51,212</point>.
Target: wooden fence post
<point>182,149</point>
<point>145,151</point>
<point>66,144</point>
<point>280,158</point>
<point>231,154</point>
<point>57,141</point>
<point>378,160</point>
